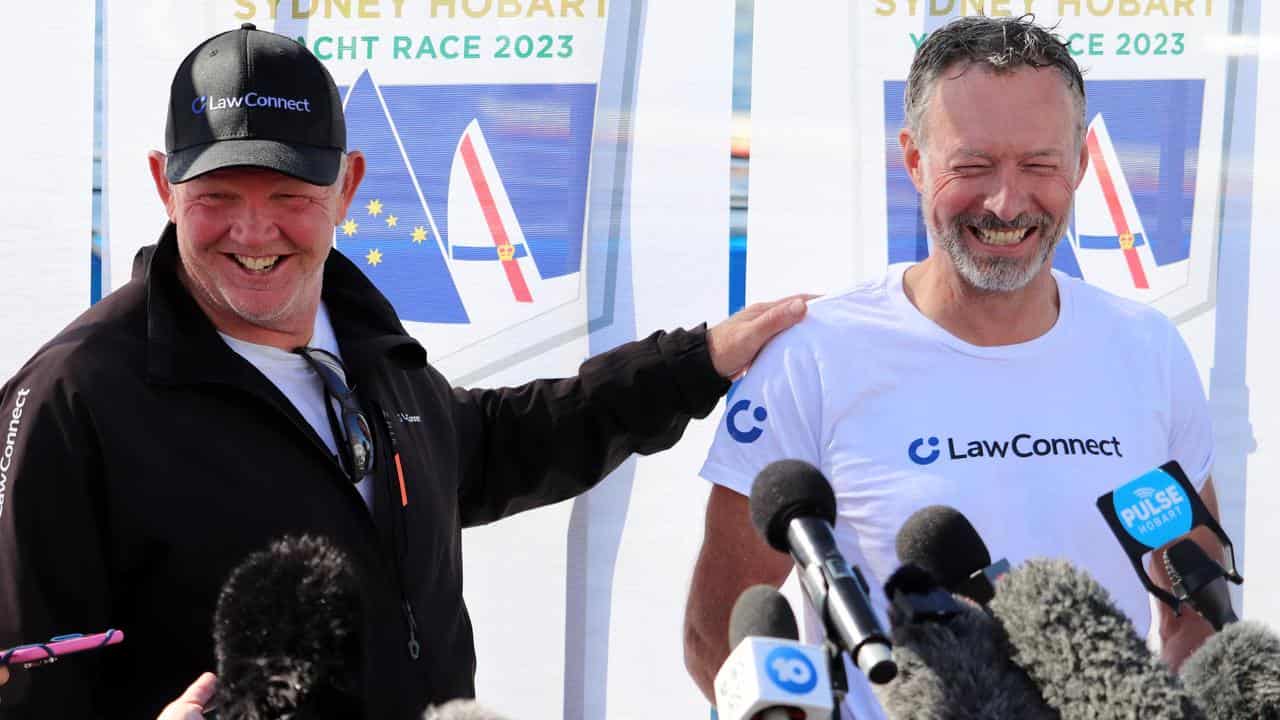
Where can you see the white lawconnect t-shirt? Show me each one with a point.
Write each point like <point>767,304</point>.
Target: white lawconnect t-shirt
<point>298,382</point>
<point>1022,439</point>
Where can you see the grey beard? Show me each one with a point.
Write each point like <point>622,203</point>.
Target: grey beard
<point>996,274</point>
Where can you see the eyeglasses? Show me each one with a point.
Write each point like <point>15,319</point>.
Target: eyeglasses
<point>356,447</point>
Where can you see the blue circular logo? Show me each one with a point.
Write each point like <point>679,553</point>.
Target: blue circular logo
<point>791,670</point>
<point>748,435</point>
<point>199,104</point>
<point>1154,509</point>
<point>914,451</point>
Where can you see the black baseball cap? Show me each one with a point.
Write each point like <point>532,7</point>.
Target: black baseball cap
<point>248,97</point>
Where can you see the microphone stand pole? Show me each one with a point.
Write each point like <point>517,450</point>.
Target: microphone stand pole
<point>839,680</point>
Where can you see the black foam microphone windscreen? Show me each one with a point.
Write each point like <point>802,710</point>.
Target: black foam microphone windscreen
<point>958,668</point>
<point>1081,650</point>
<point>941,540</point>
<point>1201,580</point>
<point>288,635</point>
<point>761,611</point>
<point>785,490</point>
<point>1236,673</point>
<point>793,508</point>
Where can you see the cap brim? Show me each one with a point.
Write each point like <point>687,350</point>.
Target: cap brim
<point>316,165</point>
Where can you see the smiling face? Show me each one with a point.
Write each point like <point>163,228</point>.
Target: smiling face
<point>253,243</point>
<point>997,169</point>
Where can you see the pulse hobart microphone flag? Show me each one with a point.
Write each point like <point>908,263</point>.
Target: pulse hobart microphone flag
<point>1236,673</point>
<point>792,507</point>
<point>770,674</point>
<point>952,659</point>
<point>942,541</point>
<point>1154,510</point>
<point>288,635</point>
<point>1081,650</point>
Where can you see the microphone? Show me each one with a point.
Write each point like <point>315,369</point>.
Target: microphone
<point>793,508</point>
<point>953,663</point>
<point>461,710</point>
<point>1080,649</point>
<point>1155,509</point>
<point>915,596</point>
<point>1200,581</point>
<point>1236,673</point>
<point>288,635</point>
<point>770,674</point>
<point>942,541</point>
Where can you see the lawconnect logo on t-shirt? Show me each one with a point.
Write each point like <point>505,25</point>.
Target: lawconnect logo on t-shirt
<point>250,99</point>
<point>924,451</point>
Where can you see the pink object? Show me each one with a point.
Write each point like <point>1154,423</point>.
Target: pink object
<point>40,653</point>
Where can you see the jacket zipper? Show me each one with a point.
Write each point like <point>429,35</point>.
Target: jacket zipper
<point>414,648</point>
<point>397,472</point>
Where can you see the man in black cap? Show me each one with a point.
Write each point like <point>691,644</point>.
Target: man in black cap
<point>249,383</point>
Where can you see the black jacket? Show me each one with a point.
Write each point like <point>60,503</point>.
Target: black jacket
<point>143,459</point>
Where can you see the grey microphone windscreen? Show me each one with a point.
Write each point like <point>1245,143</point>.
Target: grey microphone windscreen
<point>761,611</point>
<point>1236,673</point>
<point>958,669</point>
<point>1081,650</point>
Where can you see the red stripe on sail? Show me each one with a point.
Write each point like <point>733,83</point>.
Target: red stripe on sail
<point>1117,213</point>
<point>519,288</point>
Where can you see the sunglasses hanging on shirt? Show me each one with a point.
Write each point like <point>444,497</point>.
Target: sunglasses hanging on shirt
<point>355,444</point>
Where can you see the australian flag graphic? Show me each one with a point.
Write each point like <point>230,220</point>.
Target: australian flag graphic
<point>473,207</point>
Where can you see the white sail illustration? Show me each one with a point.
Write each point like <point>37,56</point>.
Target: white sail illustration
<point>493,267</point>
<point>1111,245</point>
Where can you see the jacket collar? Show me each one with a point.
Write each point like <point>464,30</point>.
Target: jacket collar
<point>184,347</point>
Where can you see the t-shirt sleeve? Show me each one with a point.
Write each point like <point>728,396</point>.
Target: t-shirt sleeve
<point>773,413</point>
<point>1190,427</point>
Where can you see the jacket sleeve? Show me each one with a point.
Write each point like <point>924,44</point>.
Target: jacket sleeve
<point>52,573</point>
<point>549,440</point>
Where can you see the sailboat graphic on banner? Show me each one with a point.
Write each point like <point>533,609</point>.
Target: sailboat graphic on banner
<point>1111,245</point>
<point>494,267</point>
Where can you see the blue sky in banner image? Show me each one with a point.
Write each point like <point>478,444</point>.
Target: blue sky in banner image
<point>540,140</point>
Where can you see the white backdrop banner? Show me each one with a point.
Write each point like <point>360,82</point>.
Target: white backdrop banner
<point>1164,215</point>
<point>46,192</point>
<point>546,180</point>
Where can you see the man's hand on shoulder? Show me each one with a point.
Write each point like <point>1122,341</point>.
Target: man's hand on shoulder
<point>734,343</point>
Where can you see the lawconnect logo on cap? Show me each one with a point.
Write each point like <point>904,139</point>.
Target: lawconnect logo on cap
<point>250,99</point>
<point>1153,509</point>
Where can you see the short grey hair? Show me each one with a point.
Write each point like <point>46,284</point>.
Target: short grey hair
<point>1000,45</point>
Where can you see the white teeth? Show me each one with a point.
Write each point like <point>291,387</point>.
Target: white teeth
<point>257,263</point>
<point>1001,237</point>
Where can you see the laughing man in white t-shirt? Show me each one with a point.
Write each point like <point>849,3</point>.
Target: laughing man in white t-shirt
<point>978,378</point>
